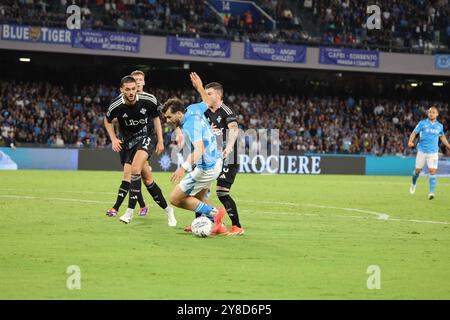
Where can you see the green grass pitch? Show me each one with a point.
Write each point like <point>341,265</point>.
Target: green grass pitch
<point>307,237</point>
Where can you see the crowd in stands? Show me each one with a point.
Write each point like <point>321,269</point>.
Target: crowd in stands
<point>41,113</point>
<point>405,23</point>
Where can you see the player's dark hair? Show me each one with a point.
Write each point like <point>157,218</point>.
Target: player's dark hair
<point>435,107</point>
<point>216,86</point>
<point>174,104</point>
<point>127,79</point>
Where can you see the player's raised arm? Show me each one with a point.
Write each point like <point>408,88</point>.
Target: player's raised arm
<point>116,143</point>
<point>198,85</point>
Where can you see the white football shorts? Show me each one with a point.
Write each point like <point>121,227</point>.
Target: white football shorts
<point>200,179</point>
<point>431,159</point>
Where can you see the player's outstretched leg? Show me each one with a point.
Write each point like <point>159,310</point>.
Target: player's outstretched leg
<point>143,210</point>
<point>137,165</point>
<point>412,187</point>
<point>121,194</point>
<point>230,207</point>
<point>179,199</point>
<point>203,197</point>
<point>135,189</point>
<point>156,193</point>
<point>124,186</point>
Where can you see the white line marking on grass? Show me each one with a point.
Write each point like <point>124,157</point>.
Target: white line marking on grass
<point>421,221</point>
<point>57,199</point>
<point>60,191</point>
<point>21,197</point>
<point>380,216</point>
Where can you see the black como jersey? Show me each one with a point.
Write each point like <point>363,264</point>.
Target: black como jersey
<point>221,118</point>
<point>135,121</point>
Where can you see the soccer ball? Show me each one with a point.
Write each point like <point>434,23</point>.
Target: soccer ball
<point>201,226</point>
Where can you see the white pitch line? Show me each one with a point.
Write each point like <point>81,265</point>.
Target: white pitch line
<point>60,191</point>
<point>57,199</point>
<point>421,221</point>
<point>380,216</point>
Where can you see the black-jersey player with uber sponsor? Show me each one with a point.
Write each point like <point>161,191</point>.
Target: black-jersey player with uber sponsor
<point>136,113</point>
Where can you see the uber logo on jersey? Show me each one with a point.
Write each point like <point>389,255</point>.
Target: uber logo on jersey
<point>143,110</point>
<point>132,122</point>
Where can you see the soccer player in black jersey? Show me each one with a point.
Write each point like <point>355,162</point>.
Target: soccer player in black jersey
<point>224,123</point>
<point>138,116</point>
<point>139,76</point>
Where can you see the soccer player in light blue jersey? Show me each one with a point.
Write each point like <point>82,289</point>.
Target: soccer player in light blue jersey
<point>204,154</point>
<point>430,132</point>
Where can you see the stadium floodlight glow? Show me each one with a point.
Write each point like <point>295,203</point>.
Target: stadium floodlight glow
<point>438,84</point>
<point>24,59</point>
<point>414,84</point>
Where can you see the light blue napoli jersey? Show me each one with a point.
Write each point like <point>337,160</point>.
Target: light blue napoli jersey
<point>196,127</point>
<point>429,135</point>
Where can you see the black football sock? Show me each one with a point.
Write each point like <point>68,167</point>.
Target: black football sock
<point>230,207</point>
<point>121,194</point>
<point>157,195</point>
<point>141,200</point>
<point>135,189</point>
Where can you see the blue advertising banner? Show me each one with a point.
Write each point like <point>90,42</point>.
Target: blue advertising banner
<point>101,40</point>
<point>199,47</point>
<point>442,61</point>
<point>275,52</point>
<point>36,34</point>
<point>349,57</point>
<point>34,158</point>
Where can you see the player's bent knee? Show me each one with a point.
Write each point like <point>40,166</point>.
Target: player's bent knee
<point>175,200</point>
<point>147,181</point>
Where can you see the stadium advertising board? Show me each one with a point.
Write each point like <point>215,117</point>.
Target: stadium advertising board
<point>275,52</point>
<point>285,163</point>
<point>442,61</point>
<point>100,40</point>
<point>40,158</point>
<point>349,57</point>
<point>292,163</point>
<point>198,47</point>
<point>36,34</point>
